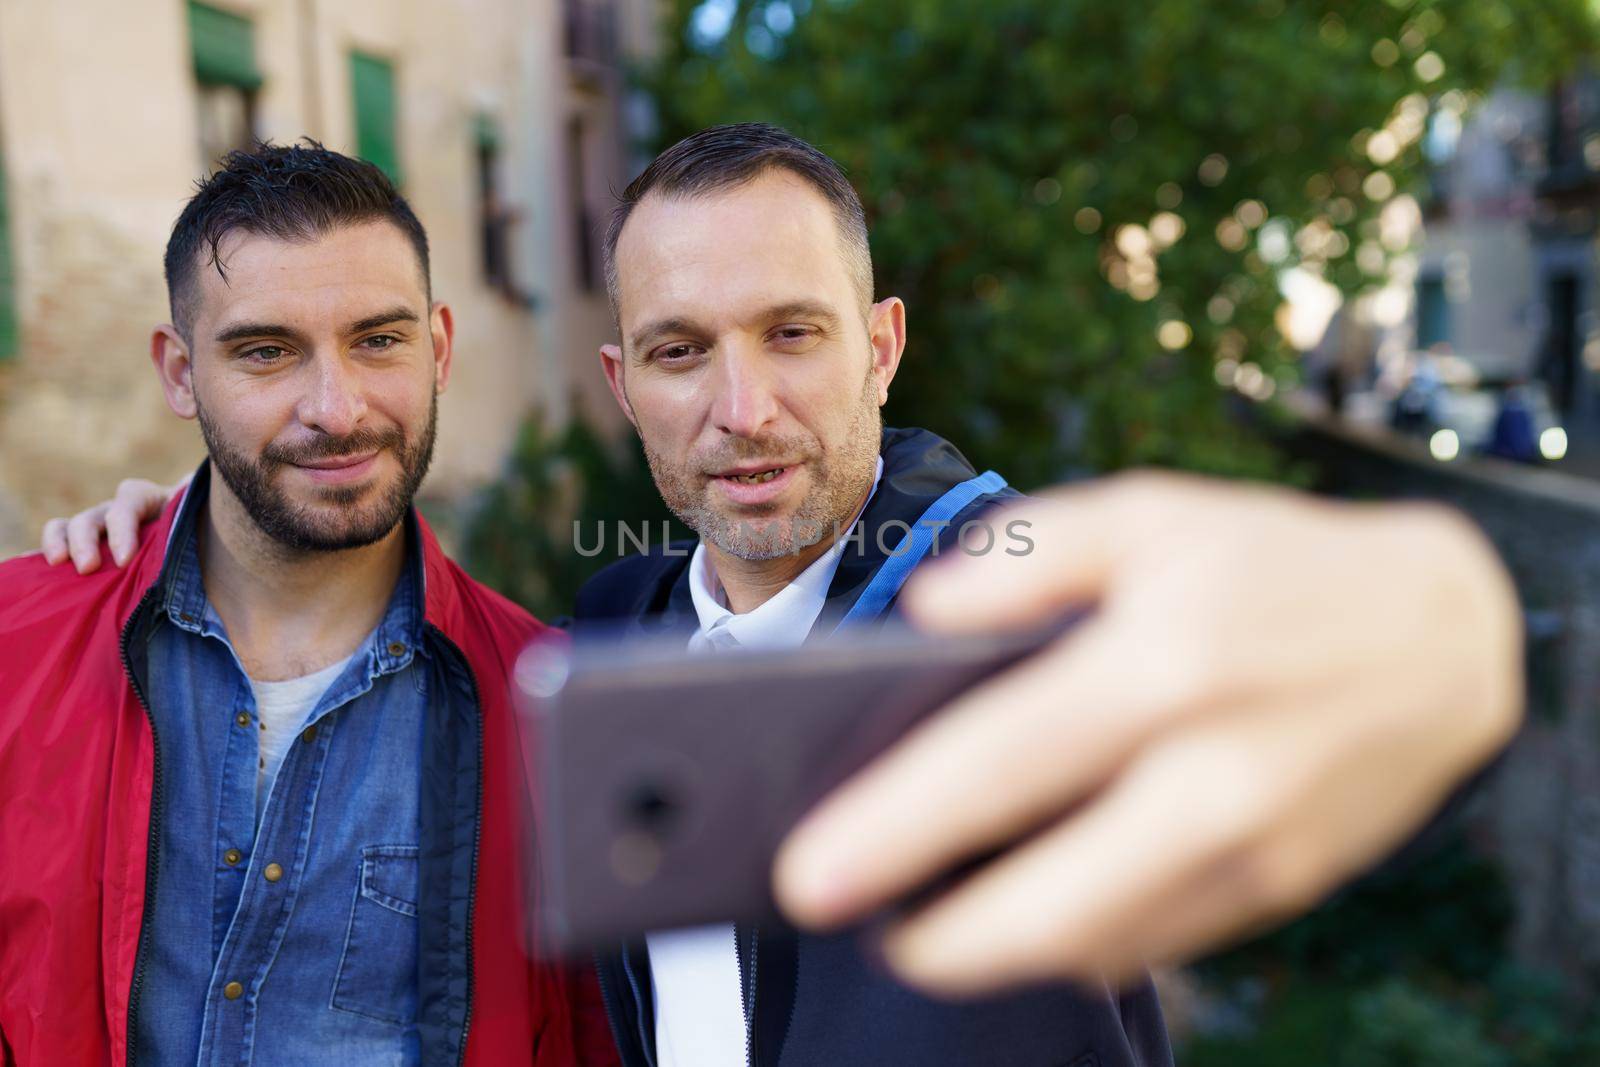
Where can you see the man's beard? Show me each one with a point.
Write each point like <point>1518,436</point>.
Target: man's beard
<point>836,490</point>
<point>310,528</point>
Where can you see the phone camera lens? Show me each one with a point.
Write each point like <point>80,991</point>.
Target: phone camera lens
<point>652,807</point>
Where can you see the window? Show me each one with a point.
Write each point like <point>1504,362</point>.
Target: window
<point>586,263</point>
<point>1560,364</point>
<point>590,31</point>
<point>496,218</point>
<point>1433,311</point>
<point>226,122</point>
<point>224,56</point>
<point>1561,129</point>
<point>8,306</point>
<point>372,88</point>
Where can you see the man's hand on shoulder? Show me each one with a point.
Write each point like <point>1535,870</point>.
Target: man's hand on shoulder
<point>117,520</point>
<point>1273,692</point>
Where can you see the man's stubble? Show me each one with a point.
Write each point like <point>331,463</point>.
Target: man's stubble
<point>302,529</point>
<point>837,489</point>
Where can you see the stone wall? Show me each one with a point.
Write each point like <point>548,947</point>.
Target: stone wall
<point>1541,814</point>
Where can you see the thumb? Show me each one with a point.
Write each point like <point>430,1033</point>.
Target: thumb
<point>1061,549</point>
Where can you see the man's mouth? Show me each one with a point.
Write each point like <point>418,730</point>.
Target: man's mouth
<point>333,463</point>
<point>755,484</point>
<point>338,470</point>
<point>755,477</point>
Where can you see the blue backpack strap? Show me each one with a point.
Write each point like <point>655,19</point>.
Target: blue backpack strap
<point>915,545</point>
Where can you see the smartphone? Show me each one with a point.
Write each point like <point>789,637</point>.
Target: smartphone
<point>668,779</point>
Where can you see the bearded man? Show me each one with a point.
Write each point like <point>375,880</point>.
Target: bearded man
<point>260,797</point>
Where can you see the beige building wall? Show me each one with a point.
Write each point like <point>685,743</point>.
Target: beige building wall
<point>100,137</point>
<point>1488,270</point>
<point>589,132</point>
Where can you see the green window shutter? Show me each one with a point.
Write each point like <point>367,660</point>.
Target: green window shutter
<point>1433,311</point>
<point>8,304</point>
<point>486,132</point>
<point>224,47</point>
<point>372,86</point>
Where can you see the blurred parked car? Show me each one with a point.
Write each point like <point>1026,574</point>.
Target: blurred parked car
<point>1458,412</point>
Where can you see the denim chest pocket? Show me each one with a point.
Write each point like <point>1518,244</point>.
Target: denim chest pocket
<point>377,974</point>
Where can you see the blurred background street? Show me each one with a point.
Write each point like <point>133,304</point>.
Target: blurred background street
<point>1352,246</point>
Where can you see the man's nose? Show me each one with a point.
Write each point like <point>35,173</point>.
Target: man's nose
<point>334,402</point>
<point>747,391</point>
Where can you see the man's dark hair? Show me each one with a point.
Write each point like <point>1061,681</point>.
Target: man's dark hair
<point>725,157</point>
<point>291,192</point>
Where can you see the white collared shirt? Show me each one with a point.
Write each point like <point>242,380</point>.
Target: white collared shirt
<point>694,973</point>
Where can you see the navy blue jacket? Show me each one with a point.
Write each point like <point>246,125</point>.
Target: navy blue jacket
<point>822,1000</point>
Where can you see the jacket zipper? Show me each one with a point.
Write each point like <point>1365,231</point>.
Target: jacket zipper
<point>788,1025</point>
<point>749,1001</point>
<point>638,998</point>
<point>605,1002</point>
<point>477,831</point>
<point>153,845</point>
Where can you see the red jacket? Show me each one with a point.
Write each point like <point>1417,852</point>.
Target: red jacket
<point>77,770</point>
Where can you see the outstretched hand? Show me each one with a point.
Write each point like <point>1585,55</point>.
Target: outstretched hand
<point>1273,693</point>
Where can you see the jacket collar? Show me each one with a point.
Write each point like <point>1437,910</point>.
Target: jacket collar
<point>918,468</point>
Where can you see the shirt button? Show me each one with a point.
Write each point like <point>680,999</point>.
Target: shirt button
<point>233,990</point>
<point>309,734</point>
<point>272,872</point>
<point>243,718</point>
<point>232,857</point>
<point>396,648</point>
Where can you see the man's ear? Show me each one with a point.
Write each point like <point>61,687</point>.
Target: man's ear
<point>886,328</point>
<point>611,361</point>
<point>442,324</point>
<point>170,353</point>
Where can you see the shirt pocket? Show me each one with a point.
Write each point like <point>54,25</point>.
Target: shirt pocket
<point>377,974</point>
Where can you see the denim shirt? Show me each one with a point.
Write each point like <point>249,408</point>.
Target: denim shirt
<point>295,941</point>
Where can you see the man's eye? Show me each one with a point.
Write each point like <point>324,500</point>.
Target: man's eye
<point>381,342</point>
<point>675,353</point>
<point>265,354</point>
<point>793,334</point>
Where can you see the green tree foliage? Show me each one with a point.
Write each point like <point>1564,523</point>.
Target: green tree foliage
<point>1446,910</point>
<point>1027,167</point>
<point>1407,968</point>
<point>559,490</point>
<point>1521,1019</point>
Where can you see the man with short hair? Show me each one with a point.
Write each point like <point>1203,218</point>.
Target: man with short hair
<point>261,793</point>
<point>753,364</point>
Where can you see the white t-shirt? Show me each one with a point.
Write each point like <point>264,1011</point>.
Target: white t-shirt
<point>694,973</point>
<point>281,712</point>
